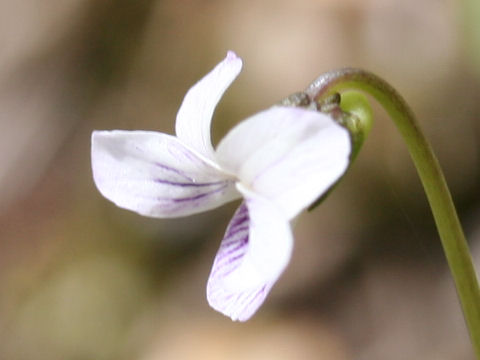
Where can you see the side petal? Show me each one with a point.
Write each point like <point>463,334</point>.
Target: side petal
<point>195,114</point>
<point>254,252</point>
<point>156,175</point>
<point>288,155</point>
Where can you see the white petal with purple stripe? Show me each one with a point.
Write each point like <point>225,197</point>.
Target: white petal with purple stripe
<point>156,175</point>
<point>254,252</point>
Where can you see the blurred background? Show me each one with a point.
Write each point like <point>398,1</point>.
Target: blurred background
<point>82,279</point>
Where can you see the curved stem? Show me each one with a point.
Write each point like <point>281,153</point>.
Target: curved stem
<point>451,234</point>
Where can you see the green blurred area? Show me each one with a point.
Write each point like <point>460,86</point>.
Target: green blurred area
<point>83,279</point>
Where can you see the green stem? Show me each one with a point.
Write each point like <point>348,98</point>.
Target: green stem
<point>446,218</point>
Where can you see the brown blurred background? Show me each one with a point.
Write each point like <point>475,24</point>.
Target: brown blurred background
<point>81,279</point>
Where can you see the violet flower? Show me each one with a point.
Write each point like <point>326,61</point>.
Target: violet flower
<point>279,161</point>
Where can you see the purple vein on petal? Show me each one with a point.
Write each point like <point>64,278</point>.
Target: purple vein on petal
<point>242,302</point>
<point>257,294</point>
<point>228,257</point>
<point>226,265</point>
<point>195,197</point>
<point>254,297</point>
<point>228,238</point>
<point>176,153</point>
<point>234,244</point>
<point>237,223</point>
<point>238,246</point>
<point>239,218</point>
<point>188,184</point>
<point>245,299</point>
<point>176,171</point>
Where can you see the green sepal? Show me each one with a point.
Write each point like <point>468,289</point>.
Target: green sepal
<point>358,118</point>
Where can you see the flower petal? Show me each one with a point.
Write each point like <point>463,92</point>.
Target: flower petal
<point>288,155</point>
<point>156,175</point>
<point>253,254</point>
<point>195,114</point>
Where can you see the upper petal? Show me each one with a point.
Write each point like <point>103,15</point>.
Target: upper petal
<point>156,175</point>
<point>195,114</point>
<point>288,155</point>
<point>254,252</point>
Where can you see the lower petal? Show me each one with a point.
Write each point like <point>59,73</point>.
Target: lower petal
<point>254,252</point>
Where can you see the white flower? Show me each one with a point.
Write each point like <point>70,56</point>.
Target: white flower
<point>279,161</point>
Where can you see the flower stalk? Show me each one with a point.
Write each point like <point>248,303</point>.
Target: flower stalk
<point>446,219</point>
